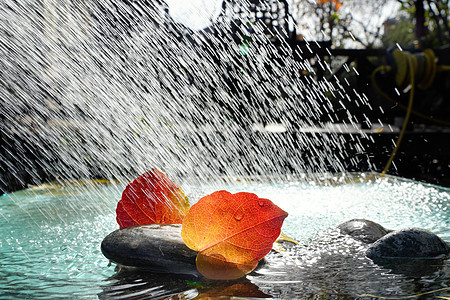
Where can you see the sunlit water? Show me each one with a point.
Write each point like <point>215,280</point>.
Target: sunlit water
<point>111,89</point>
<point>50,242</point>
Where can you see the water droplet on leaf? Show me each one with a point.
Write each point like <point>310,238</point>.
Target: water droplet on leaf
<point>238,215</point>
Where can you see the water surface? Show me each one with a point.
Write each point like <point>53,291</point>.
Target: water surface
<point>50,242</point>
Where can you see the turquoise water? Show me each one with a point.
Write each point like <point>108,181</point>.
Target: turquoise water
<point>50,242</point>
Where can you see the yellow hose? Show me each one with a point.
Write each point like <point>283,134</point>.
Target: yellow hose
<point>443,68</point>
<point>405,121</point>
<point>386,96</point>
<point>428,71</point>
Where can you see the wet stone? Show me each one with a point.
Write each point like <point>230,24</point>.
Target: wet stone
<point>156,248</point>
<point>159,248</point>
<point>363,230</point>
<point>411,242</point>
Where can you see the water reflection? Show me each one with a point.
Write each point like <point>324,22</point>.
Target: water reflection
<point>334,266</point>
<point>331,266</point>
<point>138,285</point>
<point>50,244</point>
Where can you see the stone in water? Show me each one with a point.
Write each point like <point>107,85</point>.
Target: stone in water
<point>156,248</point>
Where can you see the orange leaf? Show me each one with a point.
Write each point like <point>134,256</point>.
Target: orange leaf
<point>337,4</point>
<point>239,290</point>
<point>232,232</point>
<point>151,198</point>
<point>216,267</point>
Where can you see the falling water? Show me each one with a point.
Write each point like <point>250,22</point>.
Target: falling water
<point>109,89</point>
<point>106,89</point>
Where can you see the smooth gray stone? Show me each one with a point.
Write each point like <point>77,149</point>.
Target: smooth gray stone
<point>156,248</point>
<point>411,242</point>
<point>363,230</point>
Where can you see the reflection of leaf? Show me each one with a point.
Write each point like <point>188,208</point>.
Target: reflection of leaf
<point>232,232</point>
<point>151,198</point>
<point>242,289</point>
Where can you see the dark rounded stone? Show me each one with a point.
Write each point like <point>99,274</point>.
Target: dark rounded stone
<point>411,267</point>
<point>156,248</point>
<point>363,230</point>
<point>412,243</point>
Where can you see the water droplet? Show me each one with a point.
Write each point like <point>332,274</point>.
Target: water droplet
<point>238,215</point>
<point>261,203</point>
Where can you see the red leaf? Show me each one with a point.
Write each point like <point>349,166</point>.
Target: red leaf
<point>151,198</point>
<point>232,232</point>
